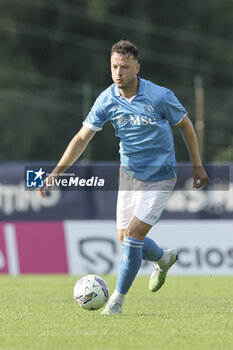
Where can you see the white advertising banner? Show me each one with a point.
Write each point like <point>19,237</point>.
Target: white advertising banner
<point>204,247</point>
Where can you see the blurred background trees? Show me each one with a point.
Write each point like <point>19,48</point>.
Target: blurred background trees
<point>55,61</point>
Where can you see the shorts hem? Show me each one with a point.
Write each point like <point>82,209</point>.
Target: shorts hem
<point>124,228</point>
<point>148,222</point>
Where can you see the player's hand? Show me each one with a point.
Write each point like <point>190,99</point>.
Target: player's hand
<point>200,177</point>
<point>46,186</point>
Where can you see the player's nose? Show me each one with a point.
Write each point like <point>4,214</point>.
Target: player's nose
<point>119,71</point>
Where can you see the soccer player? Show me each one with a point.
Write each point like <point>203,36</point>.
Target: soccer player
<point>142,114</point>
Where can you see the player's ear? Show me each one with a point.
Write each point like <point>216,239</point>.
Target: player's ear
<point>138,68</point>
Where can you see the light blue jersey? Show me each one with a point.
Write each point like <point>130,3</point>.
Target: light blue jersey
<point>143,126</point>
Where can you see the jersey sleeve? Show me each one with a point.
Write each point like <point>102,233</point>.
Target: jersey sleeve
<point>96,118</point>
<point>174,112</point>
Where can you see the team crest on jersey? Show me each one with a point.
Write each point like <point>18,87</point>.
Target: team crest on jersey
<point>149,109</point>
<point>121,120</point>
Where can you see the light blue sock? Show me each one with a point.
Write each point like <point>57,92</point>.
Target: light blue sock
<point>129,264</point>
<point>150,250</point>
<point>122,247</point>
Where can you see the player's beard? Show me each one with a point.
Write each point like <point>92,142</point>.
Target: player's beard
<point>125,85</point>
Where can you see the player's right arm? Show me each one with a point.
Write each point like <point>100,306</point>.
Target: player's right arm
<point>74,150</point>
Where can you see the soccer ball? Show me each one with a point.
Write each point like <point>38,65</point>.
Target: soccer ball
<point>91,292</point>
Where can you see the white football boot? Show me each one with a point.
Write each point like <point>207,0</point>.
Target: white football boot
<point>160,270</point>
<point>113,309</point>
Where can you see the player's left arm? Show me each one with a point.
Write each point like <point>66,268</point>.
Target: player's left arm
<point>200,176</point>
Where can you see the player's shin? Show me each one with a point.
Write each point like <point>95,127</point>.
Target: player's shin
<point>129,265</point>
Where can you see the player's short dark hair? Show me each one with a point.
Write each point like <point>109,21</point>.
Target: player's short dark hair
<point>125,47</point>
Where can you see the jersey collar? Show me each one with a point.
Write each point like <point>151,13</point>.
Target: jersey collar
<point>141,89</point>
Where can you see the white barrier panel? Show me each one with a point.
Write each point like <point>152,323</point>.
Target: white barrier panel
<point>205,247</point>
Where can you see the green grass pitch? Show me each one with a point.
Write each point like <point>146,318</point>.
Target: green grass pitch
<point>188,313</point>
